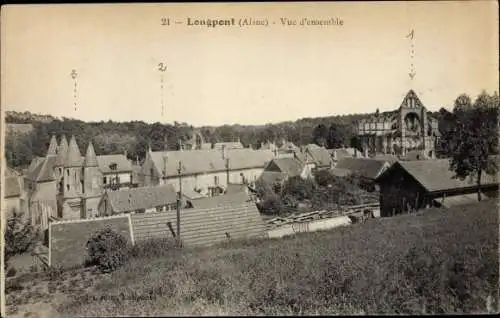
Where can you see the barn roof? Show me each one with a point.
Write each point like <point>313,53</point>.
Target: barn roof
<point>435,175</point>
<point>366,167</point>
<point>126,200</point>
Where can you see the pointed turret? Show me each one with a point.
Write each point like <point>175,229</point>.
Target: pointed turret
<point>74,158</point>
<point>52,151</point>
<point>90,157</point>
<point>62,151</point>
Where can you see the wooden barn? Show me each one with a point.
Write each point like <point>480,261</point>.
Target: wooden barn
<point>412,185</point>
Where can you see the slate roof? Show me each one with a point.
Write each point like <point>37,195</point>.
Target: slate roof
<point>74,157</point>
<point>127,200</point>
<point>206,161</point>
<point>366,167</point>
<point>52,150</point>
<point>90,157</point>
<point>233,199</point>
<point>121,161</point>
<point>42,169</point>
<point>62,151</point>
<point>435,175</point>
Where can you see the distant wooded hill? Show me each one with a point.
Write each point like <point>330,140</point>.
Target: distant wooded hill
<point>134,137</point>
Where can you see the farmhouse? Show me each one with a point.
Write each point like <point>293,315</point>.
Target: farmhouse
<point>139,200</point>
<point>281,169</point>
<point>203,171</point>
<point>412,185</point>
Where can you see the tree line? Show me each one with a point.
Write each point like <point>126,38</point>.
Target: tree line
<point>134,137</point>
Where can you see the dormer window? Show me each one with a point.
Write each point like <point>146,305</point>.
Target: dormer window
<point>113,166</point>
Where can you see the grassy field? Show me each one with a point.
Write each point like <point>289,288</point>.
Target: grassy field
<point>439,261</point>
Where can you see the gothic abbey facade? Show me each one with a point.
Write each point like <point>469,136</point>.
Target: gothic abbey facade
<point>409,128</point>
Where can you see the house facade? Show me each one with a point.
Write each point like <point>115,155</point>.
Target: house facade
<point>410,127</point>
<point>207,172</point>
<point>161,198</point>
<point>413,185</point>
<point>70,185</point>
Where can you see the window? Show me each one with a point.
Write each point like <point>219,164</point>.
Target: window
<point>60,171</point>
<point>216,180</point>
<point>67,172</point>
<point>67,187</point>
<point>104,180</point>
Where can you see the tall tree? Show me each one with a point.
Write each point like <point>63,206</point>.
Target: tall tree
<point>335,137</point>
<point>474,139</point>
<point>320,135</point>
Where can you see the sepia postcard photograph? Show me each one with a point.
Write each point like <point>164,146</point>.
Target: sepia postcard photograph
<point>244,159</point>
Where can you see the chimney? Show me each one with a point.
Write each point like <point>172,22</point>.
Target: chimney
<point>355,152</point>
<point>223,152</point>
<point>125,153</point>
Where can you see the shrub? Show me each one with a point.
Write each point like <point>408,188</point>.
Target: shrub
<point>20,236</point>
<point>107,249</point>
<point>271,205</point>
<point>11,272</point>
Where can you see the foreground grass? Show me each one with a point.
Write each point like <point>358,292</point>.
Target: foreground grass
<point>440,261</point>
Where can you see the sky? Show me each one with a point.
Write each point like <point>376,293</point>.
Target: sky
<point>246,75</point>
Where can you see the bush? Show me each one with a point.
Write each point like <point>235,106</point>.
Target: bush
<point>107,249</point>
<point>11,272</point>
<point>20,236</point>
<point>271,205</point>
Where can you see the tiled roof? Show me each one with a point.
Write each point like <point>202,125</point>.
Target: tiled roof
<point>320,156</point>
<point>368,168</point>
<point>290,167</point>
<point>126,200</point>
<point>205,161</point>
<point>435,175</point>
<point>233,199</point>
<point>122,163</point>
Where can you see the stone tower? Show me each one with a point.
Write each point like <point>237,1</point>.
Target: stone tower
<point>91,183</point>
